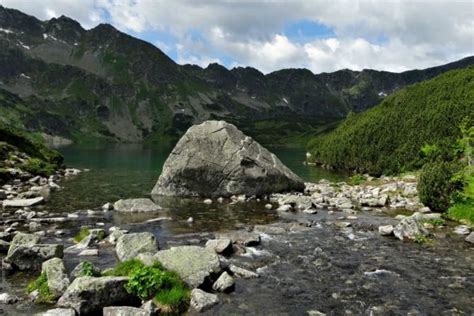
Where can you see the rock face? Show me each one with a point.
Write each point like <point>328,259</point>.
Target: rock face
<point>136,206</point>
<point>216,159</point>
<point>88,295</point>
<point>56,275</point>
<point>130,245</point>
<point>193,264</point>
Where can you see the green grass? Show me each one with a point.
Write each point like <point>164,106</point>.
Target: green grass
<point>435,222</point>
<point>124,268</point>
<point>356,179</point>
<point>88,269</point>
<point>463,209</point>
<point>44,293</point>
<point>174,299</point>
<point>83,233</point>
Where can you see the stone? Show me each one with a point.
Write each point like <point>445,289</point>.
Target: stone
<point>23,202</point>
<point>130,245</point>
<point>22,239</point>
<point>222,245</point>
<point>215,159</point>
<point>386,230</point>
<point>202,301</point>
<point>462,230</point>
<point>409,228</point>
<point>89,252</point>
<point>243,273</point>
<point>268,206</point>
<point>136,206</point>
<point>88,295</point>
<point>242,237</point>
<point>6,298</point>
<point>193,264</point>
<point>58,281</point>
<point>470,238</point>
<point>284,208</point>
<point>59,312</point>
<point>115,235</point>
<point>225,283</point>
<point>147,258</point>
<point>32,257</point>
<point>207,201</point>
<point>299,202</point>
<point>108,206</point>
<point>124,311</point>
<point>151,307</point>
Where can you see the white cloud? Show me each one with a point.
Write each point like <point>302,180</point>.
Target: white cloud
<point>390,35</point>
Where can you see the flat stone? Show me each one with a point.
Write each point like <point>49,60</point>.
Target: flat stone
<point>59,312</point>
<point>193,264</point>
<point>202,301</point>
<point>243,273</point>
<point>23,202</point>
<point>270,230</point>
<point>89,252</point>
<point>124,311</point>
<point>462,230</point>
<point>136,205</point>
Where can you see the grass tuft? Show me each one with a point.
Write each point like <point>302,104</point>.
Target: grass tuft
<point>44,293</point>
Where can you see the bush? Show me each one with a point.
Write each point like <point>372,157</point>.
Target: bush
<point>145,282</point>
<point>436,186</point>
<point>44,293</point>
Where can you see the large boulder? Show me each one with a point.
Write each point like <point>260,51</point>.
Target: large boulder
<point>22,239</point>
<point>88,295</point>
<point>216,159</point>
<point>32,257</point>
<point>193,264</point>
<point>56,275</point>
<point>409,228</point>
<point>131,245</point>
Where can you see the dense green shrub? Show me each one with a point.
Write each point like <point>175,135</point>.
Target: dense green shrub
<point>38,167</point>
<point>437,184</point>
<point>124,268</point>
<point>44,293</point>
<point>387,138</point>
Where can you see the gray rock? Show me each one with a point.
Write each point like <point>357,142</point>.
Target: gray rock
<point>32,257</point>
<point>23,202</point>
<point>224,283</point>
<point>130,245</point>
<point>56,275</point>
<point>462,229</point>
<point>88,295</point>
<point>202,301</point>
<point>215,159</point>
<point>124,311</point>
<point>147,258</point>
<point>151,307</point>
<point>470,238</point>
<point>22,239</point>
<point>409,228</point>
<point>136,206</point>
<point>89,252</point>
<point>299,202</point>
<point>6,298</point>
<point>59,312</point>
<point>222,245</point>
<point>193,264</point>
<point>386,230</point>
<point>243,273</point>
<point>115,235</point>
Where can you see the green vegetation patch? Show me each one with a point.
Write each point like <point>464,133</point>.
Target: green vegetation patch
<point>83,233</point>
<point>88,269</point>
<point>44,293</point>
<point>463,208</point>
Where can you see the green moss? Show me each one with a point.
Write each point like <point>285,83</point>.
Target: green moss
<point>44,293</point>
<point>83,233</point>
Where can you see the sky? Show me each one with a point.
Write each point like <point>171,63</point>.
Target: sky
<point>321,35</point>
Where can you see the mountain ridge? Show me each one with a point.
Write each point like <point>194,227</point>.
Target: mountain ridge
<point>109,85</point>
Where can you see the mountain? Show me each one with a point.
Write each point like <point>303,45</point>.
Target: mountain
<point>389,137</point>
<point>100,83</point>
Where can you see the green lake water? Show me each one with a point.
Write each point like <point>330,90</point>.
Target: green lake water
<point>128,171</point>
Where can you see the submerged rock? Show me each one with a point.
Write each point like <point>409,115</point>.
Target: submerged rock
<point>215,159</point>
<point>202,301</point>
<point>193,264</point>
<point>130,245</point>
<point>136,206</point>
<point>88,295</point>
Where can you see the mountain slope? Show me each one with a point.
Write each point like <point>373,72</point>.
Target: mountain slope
<point>103,84</point>
<point>388,138</point>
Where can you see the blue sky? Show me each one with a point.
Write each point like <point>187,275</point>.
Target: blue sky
<point>322,36</point>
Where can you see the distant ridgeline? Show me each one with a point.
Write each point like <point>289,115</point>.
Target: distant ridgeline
<point>389,138</point>
<point>101,84</point>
